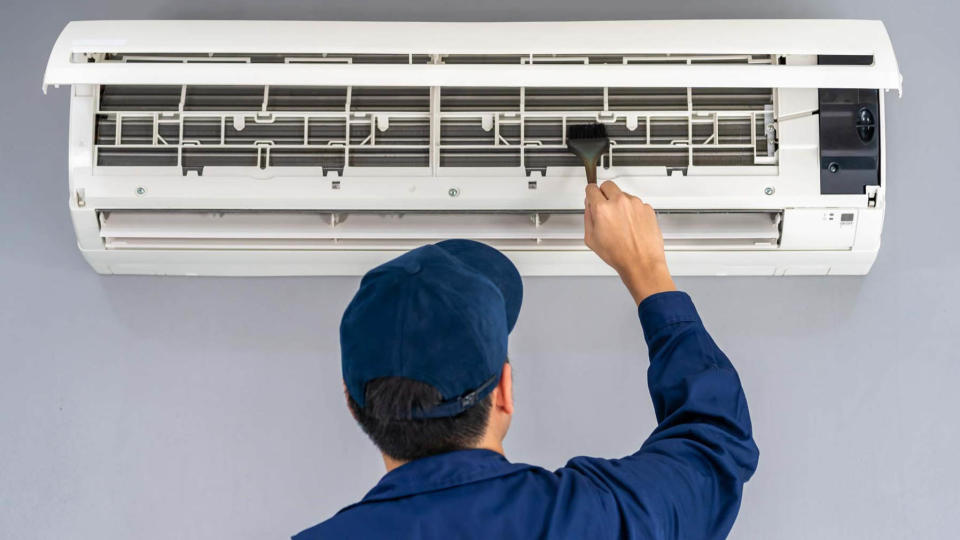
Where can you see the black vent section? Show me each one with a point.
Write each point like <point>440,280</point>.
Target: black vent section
<point>845,59</point>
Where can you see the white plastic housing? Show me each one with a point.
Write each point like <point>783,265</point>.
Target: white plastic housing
<point>760,214</point>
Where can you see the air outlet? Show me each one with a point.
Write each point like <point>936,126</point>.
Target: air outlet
<point>459,59</point>
<point>311,230</point>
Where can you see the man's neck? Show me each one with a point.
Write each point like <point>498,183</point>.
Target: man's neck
<point>391,463</point>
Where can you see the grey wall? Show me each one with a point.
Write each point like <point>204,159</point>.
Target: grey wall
<point>161,408</point>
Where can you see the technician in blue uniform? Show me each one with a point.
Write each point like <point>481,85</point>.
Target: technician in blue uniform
<point>424,349</point>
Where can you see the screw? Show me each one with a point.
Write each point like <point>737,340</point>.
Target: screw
<point>834,167</point>
<point>769,190</point>
<point>453,192</point>
<point>141,190</point>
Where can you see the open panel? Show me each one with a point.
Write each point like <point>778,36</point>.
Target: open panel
<point>435,129</point>
<point>352,53</point>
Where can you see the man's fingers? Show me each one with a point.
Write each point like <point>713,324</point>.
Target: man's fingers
<point>610,189</point>
<point>587,222</point>
<point>594,195</point>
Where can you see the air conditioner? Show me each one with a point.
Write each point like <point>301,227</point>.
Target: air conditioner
<point>302,148</point>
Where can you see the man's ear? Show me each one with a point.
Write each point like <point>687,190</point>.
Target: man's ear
<point>504,391</point>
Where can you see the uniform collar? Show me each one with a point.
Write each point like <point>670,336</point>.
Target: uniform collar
<point>441,471</point>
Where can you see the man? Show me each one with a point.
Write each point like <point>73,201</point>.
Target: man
<point>424,347</point>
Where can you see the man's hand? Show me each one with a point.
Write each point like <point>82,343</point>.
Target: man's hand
<point>623,231</point>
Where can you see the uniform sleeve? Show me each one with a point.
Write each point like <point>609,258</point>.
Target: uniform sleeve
<point>687,478</point>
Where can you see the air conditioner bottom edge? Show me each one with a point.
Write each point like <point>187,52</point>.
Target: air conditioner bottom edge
<point>529,263</point>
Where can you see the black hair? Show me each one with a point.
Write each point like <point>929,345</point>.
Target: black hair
<point>386,419</point>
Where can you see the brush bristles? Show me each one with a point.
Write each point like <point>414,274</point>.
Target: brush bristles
<point>586,131</point>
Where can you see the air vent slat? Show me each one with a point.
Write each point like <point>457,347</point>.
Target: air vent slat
<point>146,229</point>
<point>126,97</point>
<point>458,59</point>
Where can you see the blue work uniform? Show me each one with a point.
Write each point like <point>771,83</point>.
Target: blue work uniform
<point>685,481</point>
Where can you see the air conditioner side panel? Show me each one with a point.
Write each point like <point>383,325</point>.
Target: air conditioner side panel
<point>80,166</point>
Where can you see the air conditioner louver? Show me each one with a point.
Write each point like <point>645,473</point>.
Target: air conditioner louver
<point>144,229</point>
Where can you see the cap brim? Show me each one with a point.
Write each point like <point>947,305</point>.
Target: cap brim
<point>493,265</point>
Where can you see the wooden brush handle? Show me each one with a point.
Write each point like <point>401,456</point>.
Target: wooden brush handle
<point>591,172</point>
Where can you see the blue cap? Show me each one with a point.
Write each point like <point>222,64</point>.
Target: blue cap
<point>439,314</point>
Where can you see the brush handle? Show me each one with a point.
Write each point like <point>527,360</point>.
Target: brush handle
<point>591,172</point>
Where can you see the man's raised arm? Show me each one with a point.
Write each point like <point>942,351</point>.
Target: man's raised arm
<point>686,480</point>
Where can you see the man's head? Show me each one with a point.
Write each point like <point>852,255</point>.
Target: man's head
<point>424,345</point>
<point>484,425</point>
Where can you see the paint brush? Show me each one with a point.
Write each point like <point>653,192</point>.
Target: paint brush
<point>588,142</point>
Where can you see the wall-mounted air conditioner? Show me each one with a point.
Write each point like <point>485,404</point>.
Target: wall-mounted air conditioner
<point>280,148</point>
